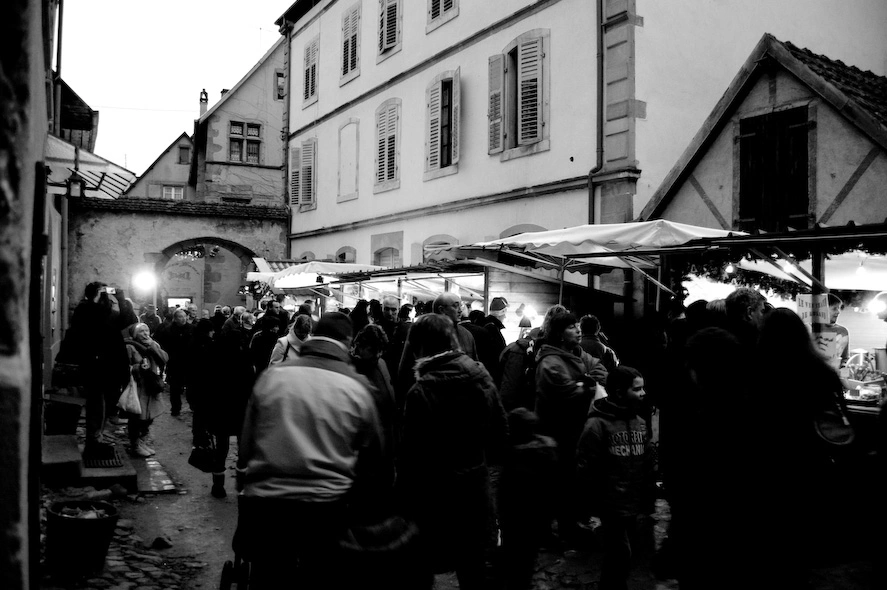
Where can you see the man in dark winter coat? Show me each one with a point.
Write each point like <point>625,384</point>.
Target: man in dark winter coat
<point>93,342</point>
<point>591,342</point>
<point>483,340</point>
<point>452,422</point>
<point>175,340</point>
<point>493,324</point>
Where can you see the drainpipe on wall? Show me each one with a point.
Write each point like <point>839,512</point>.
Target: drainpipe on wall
<point>286,29</point>
<point>57,90</point>
<point>593,200</point>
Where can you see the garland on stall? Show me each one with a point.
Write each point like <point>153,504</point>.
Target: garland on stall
<point>723,267</point>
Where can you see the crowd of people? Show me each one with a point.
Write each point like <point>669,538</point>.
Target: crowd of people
<point>434,446</point>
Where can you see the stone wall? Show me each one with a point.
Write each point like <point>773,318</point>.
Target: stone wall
<point>112,241</point>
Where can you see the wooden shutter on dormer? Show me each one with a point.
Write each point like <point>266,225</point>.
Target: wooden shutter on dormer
<point>496,105</point>
<point>457,109</point>
<point>432,116</point>
<point>295,175</point>
<point>309,178</point>
<point>529,101</point>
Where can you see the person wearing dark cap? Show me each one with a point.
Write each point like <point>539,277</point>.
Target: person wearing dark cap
<point>493,324</point>
<point>311,446</point>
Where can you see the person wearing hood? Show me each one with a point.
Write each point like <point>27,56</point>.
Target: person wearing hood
<point>452,422</point>
<point>614,458</point>
<point>288,347</point>
<point>263,341</point>
<point>566,383</point>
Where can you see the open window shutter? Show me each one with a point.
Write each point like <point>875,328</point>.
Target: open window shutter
<point>308,177</point>
<point>295,175</point>
<point>529,73</point>
<point>432,116</point>
<point>310,70</point>
<point>381,143</point>
<point>346,42</point>
<point>350,26</point>
<point>354,58</point>
<point>391,149</point>
<point>457,109</point>
<point>496,104</point>
<point>388,25</point>
<point>314,50</point>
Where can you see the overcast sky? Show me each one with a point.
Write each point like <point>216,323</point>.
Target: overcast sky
<point>142,65</point>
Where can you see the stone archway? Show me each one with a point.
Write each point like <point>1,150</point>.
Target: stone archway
<point>207,270</point>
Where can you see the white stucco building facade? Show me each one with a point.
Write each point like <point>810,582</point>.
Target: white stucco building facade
<point>393,110</point>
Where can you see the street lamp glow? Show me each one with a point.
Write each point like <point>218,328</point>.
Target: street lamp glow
<point>144,281</point>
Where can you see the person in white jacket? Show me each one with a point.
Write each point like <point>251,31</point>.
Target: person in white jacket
<point>287,347</point>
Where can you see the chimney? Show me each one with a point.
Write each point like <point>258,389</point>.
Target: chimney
<point>204,99</point>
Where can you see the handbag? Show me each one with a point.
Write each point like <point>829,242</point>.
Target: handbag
<point>152,382</point>
<point>203,456</point>
<point>389,535</point>
<point>129,399</point>
<point>833,428</point>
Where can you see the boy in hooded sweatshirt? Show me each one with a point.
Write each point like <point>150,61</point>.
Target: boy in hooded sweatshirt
<point>616,469</point>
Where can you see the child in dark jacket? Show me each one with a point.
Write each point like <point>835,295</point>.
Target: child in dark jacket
<point>526,496</point>
<point>615,466</point>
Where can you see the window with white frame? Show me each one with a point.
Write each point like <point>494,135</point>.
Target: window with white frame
<point>439,12</point>
<point>303,176</point>
<point>387,154</point>
<point>176,193</point>
<point>350,44</point>
<point>244,142</point>
<point>309,94</point>
<point>518,110</point>
<point>442,110</point>
<point>389,28</point>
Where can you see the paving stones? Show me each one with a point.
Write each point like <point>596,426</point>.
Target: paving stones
<point>129,563</point>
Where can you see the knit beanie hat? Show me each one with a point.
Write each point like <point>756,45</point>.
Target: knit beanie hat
<point>498,304</point>
<point>335,325</point>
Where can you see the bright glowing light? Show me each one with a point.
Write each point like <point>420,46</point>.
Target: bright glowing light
<point>730,269</point>
<point>144,281</point>
<point>877,306</point>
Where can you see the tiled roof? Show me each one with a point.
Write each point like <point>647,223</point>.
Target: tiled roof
<point>868,90</point>
<point>167,207</point>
